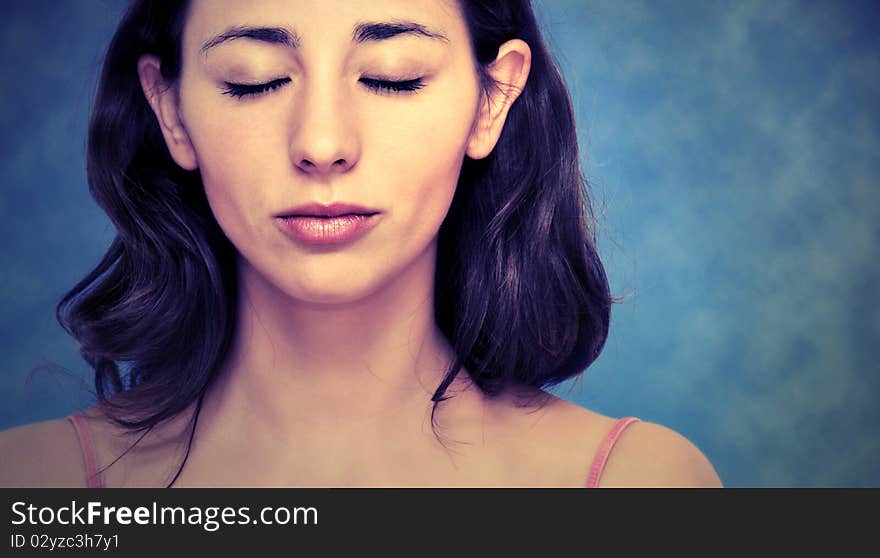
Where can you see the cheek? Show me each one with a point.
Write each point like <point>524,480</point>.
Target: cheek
<point>227,143</point>
<point>227,150</point>
<point>424,151</point>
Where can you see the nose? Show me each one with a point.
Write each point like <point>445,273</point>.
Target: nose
<point>324,139</point>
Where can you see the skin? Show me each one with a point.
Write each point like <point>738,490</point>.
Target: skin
<point>336,352</point>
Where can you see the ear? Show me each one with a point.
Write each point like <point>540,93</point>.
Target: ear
<point>165,102</point>
<point>510,70</point>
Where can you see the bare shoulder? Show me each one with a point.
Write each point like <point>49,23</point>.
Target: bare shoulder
<point>645,454</point>
<point>48,453</point>
<point>651,455</point>
<point>553,441</point>
<point>41,454</point>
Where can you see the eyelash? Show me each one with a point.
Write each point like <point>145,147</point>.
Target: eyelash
<point>240,90</point>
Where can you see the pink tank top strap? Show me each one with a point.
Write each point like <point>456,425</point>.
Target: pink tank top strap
<point>84,433</point>
<point>601,458</point>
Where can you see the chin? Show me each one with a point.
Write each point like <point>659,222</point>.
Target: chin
<point>331,293</point>
<point>325,299</point>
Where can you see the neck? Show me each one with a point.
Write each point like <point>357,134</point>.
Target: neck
<point>373,360</point>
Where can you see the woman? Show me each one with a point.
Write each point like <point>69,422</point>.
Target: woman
<point>354,246</point>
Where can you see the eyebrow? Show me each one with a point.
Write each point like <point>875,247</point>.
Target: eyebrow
<point>362,33</point>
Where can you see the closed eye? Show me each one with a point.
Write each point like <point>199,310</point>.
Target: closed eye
<point>393,86</point>
<point>240,90</point>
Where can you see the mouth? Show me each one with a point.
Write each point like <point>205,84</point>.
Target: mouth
<point>327,229</point>
<point>324,216</point>
<point>327,211</point>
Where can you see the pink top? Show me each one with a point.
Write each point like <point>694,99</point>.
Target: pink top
<point>93,475</point>
<point>605,449</point>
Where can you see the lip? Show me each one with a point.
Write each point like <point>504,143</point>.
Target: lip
<point>327,230</point>
<point>333,210</point>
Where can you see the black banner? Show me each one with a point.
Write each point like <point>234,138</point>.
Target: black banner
<point>136,521</point>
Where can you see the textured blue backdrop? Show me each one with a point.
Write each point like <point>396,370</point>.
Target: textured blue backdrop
<point>733,149</point>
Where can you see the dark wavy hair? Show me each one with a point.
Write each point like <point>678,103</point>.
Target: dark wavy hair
<point>520,291</point>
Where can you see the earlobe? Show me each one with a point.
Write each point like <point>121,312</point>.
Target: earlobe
<point>510,71</point>
<point>164,101</point>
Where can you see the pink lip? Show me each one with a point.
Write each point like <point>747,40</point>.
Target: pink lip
<point>327,230</point>
<point>333,210</point>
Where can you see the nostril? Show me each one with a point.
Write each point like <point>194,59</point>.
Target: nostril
<point>306,164</point>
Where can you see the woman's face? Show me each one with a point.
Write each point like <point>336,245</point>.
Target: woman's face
<point>321,131</point>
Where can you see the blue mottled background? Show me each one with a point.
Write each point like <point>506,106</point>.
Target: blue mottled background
<point>734,150</point>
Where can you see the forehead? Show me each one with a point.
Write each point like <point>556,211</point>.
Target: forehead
<point>315,22</point>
